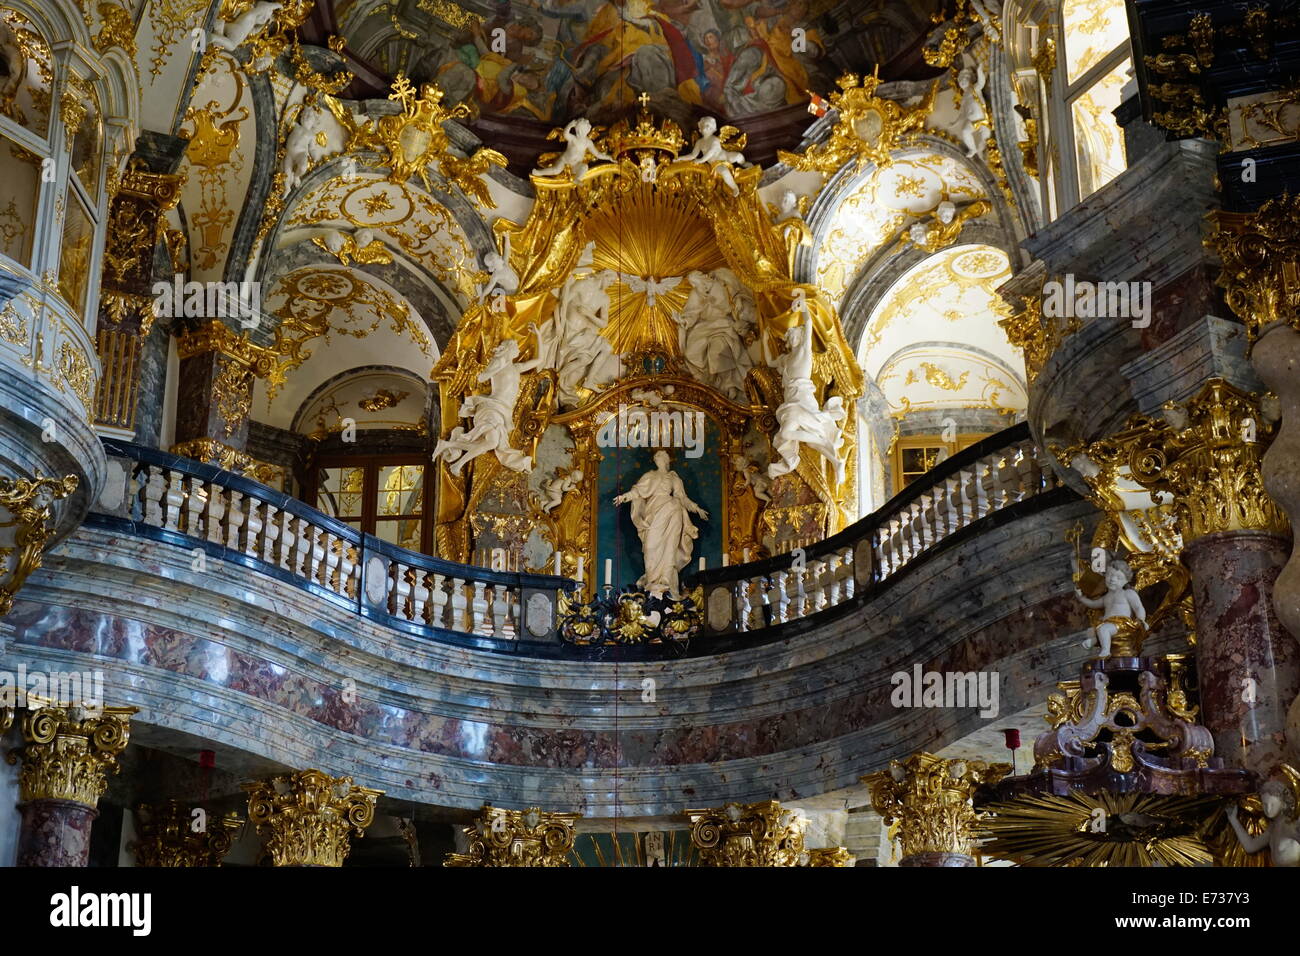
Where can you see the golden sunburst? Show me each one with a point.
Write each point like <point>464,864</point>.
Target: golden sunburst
<point>1134,829</point>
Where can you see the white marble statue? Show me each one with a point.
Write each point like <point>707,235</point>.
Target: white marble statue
<point>944,214</point>
<point>501,275</point>
<point>709,149</point>
<point>1281,836</point>
<point>800,420</point>
<point>790,206</point>
<point>757,481</point>
<point>230,36</point>
<point>491,415</point>
<point>577,149</point>
<point>711,336</point>
<point>554,489</point>
<point>973,127</point>
<point>1120,606</point>
<point>315,137</point>
<point>661,512</point>
<point>572,343</point>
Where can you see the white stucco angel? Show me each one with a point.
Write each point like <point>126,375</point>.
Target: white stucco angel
<point>491,415</point>
<point>572,343</point>
<point>800,419</point>
<point>501,275</point>
<point>578,148</point>
<point>709,148</point>
<point>712,338</point>
<point>973,127</point>
<point>230,36</point>
<point>1281,836</point>
<point>316,136</point>
<point>661,513</point>
<point>554,489</point>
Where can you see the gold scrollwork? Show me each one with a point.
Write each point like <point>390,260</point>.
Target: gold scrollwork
<point>176,834</point>
<point>30,503</point>
<point>532,838</point>
<point>69,751</point>
<point>308,818</point>
<point>748,834</point>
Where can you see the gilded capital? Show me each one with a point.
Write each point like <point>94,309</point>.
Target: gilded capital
<point>1206,454</point>
<point>749,834</point>
<point>175,834</point>
<point>531,837</point>
<point>30,503</point>
<point>931,799</point>
<point>308,818</point>
<point>1260,252</point>
<point>70,751</point>
<point>830,856</point>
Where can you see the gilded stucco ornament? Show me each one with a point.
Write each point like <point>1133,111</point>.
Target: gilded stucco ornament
<point>1260,252</point>
<point>1035,334</point>
<point>309,818</point>
<point>749,834</point>
<point>176,834</point>
<point>68,751</point>
<point>616,257</point>
<point>868,129</point>
<point>414,139</point>
<point>28,504</point>
<point>518,838</point>
<point>932,801</point>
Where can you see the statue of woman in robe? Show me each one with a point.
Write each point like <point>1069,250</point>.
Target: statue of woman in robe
<point>661,513</point>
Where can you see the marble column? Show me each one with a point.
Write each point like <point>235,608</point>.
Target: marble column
<point>1248,664</point>
<point>1205,457</point>
<point>67,755</point>
<point>932,801</point>
<point>1260,252</point>
<point>308,818</point>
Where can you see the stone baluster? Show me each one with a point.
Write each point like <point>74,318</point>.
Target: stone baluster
<point>236,521</point>
<point>781,606</point>
<point>479,608</point>
<point>438,603</point>
<point>459,606</point>
<point>196,504</point>
<point>155,488</point>
<point>173,501</point>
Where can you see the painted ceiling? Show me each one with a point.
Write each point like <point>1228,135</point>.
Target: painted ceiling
<point>531,65</point>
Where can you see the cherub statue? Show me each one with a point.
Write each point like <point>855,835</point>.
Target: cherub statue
<point>756,480</point>
<point>554,489</point>
<point>1281,835</point>
<point>231,35</point>
<point>791,206</point>
<point>501,275</point>
<point>364,246</point>
<point>1121,606</point>
<point>973,118</point>
<point>710,149</point>
<point>578,146</point>
<point>944,225</point>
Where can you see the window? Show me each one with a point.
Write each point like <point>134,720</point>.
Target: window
<point>1093,67</point>
<point>383,496</point>
<point>914,455</point>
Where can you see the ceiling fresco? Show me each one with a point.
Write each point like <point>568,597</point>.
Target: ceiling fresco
<point>542,62</point>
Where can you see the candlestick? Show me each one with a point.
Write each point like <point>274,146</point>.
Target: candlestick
<point>747,555</point>
<point>726,559</point>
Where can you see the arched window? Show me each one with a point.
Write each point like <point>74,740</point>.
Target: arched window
<point>1093,66</point>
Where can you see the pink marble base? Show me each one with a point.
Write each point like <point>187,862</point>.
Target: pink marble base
<point>55,833</point>
<point>937,859</point>
<point>1248,664</point>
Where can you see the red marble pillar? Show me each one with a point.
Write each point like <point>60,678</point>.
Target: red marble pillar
<point>55,833</point>
<point>1248,664</point>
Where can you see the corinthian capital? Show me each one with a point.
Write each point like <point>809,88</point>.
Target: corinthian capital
<point>308,818</point>
<point>529,837</point>
<point>70,751</point>
<point>932,801</point>
<point>748,834</point>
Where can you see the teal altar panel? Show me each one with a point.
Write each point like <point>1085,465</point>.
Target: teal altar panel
<point>616,537</point>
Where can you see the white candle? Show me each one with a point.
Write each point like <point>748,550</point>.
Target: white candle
<point>726,559</point>
<point>701,562</point>
<point>558,563</point>
<point>609,571</point>
<point>580,559</point>
<point>747,555</point>
<point>1033,39</point>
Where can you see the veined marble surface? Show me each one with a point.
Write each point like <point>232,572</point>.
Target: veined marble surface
<point>259,667</point>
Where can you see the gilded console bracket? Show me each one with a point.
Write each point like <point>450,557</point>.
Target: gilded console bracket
<point>30,503</point>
